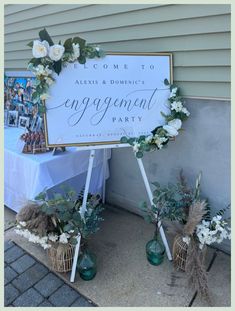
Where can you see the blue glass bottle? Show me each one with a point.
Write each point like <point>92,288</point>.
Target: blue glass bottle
<point>155,250</point>
<point>87,266</point>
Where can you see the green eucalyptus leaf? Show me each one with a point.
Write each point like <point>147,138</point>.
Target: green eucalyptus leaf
<point>101,53</point>
<point>77,216</point>
<point>57,66</point>
<point>68,227</point>
<point>146,148</point>
<point>155,200</point>
<point>166,82</point>
<point>124,140</point>
<point>73,241</point>
<point>82,59</point>
<point>131,140</point>
<point>30,44</point>
<point>43,34</point>
<point>80,41</point>
<point>139,154</point>
<point>68,45</point>
<point>49,211</point>
<point>156,184</point>
<point>35,61</point>
<point>41,196</point>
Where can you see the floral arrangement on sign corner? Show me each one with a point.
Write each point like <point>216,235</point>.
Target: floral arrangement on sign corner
<point>188,217</point>
<point>59,219</point>
<point>49,58</point>
<point>161,135</point>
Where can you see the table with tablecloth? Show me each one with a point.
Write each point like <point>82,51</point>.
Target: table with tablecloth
<point>26,175</point>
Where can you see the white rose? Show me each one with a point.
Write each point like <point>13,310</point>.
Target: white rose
<point>76,50</point>
<point>40,48</point>
<point>176,123</point>
<point>56,51</point>
<point>171,131</point>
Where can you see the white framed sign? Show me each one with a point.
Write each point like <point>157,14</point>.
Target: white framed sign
<point>122,94</point>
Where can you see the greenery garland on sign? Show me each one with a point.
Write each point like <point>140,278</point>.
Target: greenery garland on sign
<point>161,135</point>
<point>50,57</point>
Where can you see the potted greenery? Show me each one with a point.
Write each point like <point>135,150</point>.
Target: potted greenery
<point>55,224</point>
<point>189,219</point>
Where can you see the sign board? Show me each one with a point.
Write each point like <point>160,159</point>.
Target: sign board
<point>99,102</point>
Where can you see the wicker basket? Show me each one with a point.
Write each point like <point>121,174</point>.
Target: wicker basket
<point>180,249</point>
<point>180,252</point>
<point>61,256</point>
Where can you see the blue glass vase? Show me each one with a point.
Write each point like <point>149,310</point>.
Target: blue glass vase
<point>155,250</point>
<point>87,266</point>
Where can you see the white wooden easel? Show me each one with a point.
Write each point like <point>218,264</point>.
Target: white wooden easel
<point>85,195</point>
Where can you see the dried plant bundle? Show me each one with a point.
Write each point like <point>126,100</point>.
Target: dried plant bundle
<point>195,269</point>
<point>35,219</point>
<point>196,211</point>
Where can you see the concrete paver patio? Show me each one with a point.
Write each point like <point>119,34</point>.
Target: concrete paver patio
<point>124,277</point>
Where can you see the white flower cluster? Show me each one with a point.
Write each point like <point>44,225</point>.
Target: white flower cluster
<point>43,241</point>
<point>159,140</point>
<point>42,49</point>
<point>76,52</point>
<point>214,231</point>
<point>40,70</point>
<point>64,238</point>
<point>177,105</point>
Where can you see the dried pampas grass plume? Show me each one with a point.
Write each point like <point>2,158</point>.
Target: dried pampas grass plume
<point>196,211</point>
<point>196,272</point>
<point>35,219</point>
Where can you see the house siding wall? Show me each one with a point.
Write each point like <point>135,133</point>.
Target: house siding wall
<point>197,35</point>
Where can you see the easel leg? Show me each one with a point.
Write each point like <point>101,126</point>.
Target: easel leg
<point>75,259</point>
<point>150,195</point>
<point>104,175</point>
<point>82,211</point>
<point>88,180</point>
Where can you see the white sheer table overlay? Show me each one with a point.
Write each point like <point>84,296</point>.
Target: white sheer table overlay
<point>26,175</point>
